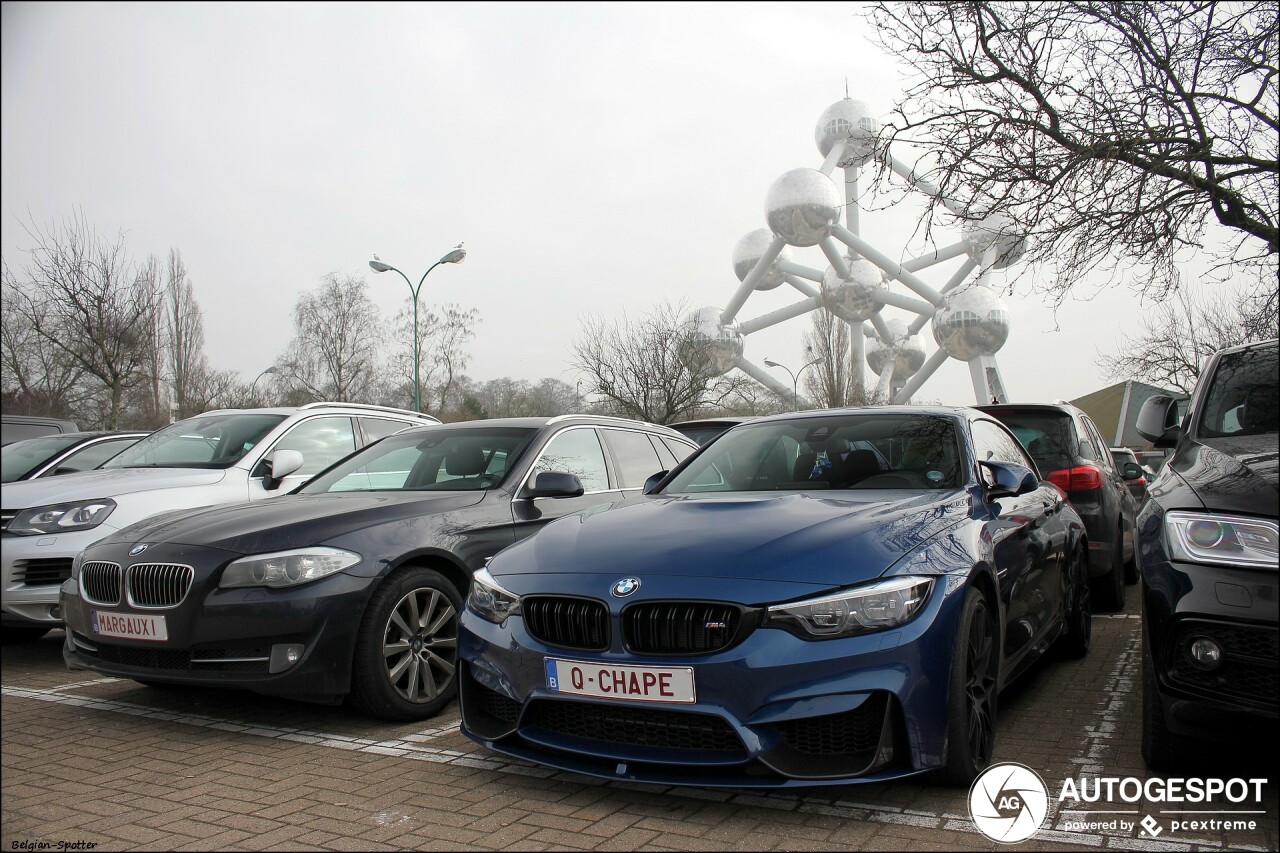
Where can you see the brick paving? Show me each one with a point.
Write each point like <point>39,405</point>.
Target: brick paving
<point>113,764</point>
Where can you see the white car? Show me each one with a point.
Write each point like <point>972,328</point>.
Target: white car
<point>219,457</point>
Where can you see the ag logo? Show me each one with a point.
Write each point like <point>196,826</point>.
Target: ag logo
<point>625,587</point>
<point>1008,802</point>
<point>137,549</point>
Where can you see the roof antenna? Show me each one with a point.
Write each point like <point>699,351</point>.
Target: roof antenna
<point>846,88</point>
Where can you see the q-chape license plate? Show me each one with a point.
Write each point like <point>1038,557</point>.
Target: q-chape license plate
<point>129,626</point>
<point>620,681</point>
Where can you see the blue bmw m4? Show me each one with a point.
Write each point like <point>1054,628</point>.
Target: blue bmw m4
<point>813,598</point>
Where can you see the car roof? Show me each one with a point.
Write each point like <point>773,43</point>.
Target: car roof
<point>1255,345</point>
<point>543,421</point>
<point>944,411</point>
<point>1056,407</point>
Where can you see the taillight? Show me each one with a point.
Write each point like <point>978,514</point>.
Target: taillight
<point>1082,478</point>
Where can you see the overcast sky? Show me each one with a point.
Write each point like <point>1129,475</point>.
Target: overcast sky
<point>596,158</point>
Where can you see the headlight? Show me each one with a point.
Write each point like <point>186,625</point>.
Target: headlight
<point>1206,538</point>
<point>286,568</point>
<point>62,518</point>
<point>860,610</point>
<point>489,600</point>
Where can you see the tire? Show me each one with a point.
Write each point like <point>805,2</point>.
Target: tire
<point>1108,590</point>
<point>406,653</point>
<point>971,695</point>
<point>21,634</point>
<point>1162,750</point>
<point>1079,611</point>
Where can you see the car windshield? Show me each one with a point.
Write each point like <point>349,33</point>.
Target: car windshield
<point>854,451</point>
<point>22,457</point>
<point>430,459</point>
<point>1243,399</point>
<point>208,441</point>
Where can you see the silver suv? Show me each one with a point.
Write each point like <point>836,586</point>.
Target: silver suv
<point>219,457</point>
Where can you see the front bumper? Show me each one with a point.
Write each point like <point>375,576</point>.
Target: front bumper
<point>1236,609</point>
<point>33,568</point>
<point>231,637</point>
<point>772,711</point>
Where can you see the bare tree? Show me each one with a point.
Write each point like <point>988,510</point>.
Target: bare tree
<point>188,366</point>
<point>334,353</point>
<point>91,305</point>
<point>658,369</point>
<point>829,383</point>
<point>1183,331</point>
<point>36,377</point>
<point>1108,131</point>
<point>442,338</point>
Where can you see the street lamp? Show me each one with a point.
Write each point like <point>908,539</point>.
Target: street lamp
<point>795,379</point>
<point>254,383</point>
<point>453,256</point>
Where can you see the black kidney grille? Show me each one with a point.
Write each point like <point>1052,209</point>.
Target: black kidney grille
<point>100,583</point>
<point>649,727</point>
<point>576,623</point>
<point>42,572</point>
<point>848,733</point>
<point>158,584</point>
<point>679,627</point>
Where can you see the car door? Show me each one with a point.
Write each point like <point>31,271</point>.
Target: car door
<point>573,450</point>
<point>1027,547</point>
<point>634,459</point>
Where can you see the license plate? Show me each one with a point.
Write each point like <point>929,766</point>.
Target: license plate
<point>616,681</point>
<point>130,626</point>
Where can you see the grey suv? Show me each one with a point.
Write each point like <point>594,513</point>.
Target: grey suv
<point>218,457</point>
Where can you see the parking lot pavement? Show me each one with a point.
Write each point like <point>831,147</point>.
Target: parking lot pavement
<point>107,764</point>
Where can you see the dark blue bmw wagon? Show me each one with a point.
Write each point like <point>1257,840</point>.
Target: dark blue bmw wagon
<point>813,598</point>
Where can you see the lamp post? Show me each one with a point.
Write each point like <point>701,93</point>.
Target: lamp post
<point>453,256</point>
<point>254,383</point>
<point>795,379</point>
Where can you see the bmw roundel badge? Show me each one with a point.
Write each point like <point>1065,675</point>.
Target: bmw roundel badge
<point>625,587</point>
<point>137,549</point>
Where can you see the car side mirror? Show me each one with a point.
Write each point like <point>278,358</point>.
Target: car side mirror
<point>554,484</point>
<point>1132,471</point>
<point>282,464</point>
<point>1158,421</point>
<point>1011,479</point>
<point>652,483</point>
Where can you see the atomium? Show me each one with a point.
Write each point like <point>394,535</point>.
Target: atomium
<point>804,208</point>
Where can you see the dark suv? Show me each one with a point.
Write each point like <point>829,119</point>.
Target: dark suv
<point>1071,454</point>
<point>350,585</point>
<point>1207,547</point>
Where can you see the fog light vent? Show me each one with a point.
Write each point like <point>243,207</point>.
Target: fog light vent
<point>1205,653</point>
<point>285,655</point>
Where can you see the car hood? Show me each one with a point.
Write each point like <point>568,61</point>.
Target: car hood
<point>1232,474</point>
<point>794,538</point>
<point>108,483</point>
<point>289,521</point>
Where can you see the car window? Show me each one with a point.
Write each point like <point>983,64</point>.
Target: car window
<point>678,448</point>
<point>376,428</point>
<point>438,459</point>
<point>633,456</point>
<point>1049,435</point>
<point>1101,452</point>
<point>321,441</point>
<point>576,451</point>
<point>668,458</point>
<point>93,455</point>
<point>207,441</point>
<point>991,443</point>
<point>22,457</point>
<point>863,451</point>
<point>1243,398</point>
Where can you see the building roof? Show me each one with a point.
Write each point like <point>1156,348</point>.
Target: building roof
<point>1115,410</point>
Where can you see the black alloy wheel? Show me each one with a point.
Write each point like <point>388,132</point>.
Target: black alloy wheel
<point>1109,589</point>
<point>971,701</point>
<point>1079,612</point>
<point>407,647</point>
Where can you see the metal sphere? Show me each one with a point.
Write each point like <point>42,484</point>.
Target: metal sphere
<point>979,234</point>
<point>851,298</point>
<point>713,341</point>
<point>848,120</point>
<point>802,206</point>
<point>971,322</point>
<point>748,252</point>
<point>907,352</point>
